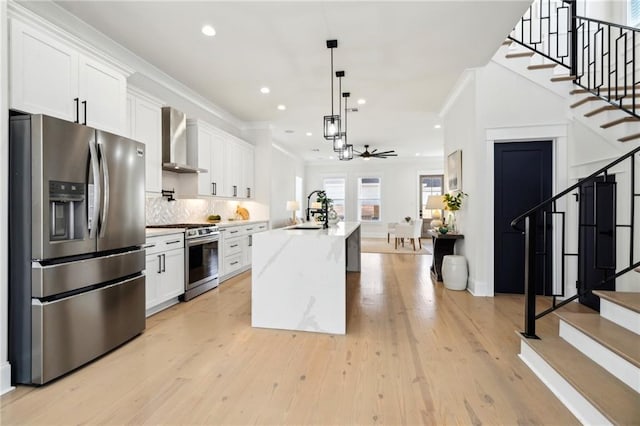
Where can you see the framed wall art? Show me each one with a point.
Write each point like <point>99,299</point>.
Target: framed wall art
<point>454,171</point>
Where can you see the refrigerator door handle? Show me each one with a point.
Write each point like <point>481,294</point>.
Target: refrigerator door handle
<point>94,200</point>
<point>105,190</point>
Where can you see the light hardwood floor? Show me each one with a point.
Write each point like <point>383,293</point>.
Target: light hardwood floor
<point>414,353</point>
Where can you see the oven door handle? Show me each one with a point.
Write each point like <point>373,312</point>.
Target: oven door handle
<point>199,241</point>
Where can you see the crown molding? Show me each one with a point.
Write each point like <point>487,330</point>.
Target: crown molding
<point>467,77</point>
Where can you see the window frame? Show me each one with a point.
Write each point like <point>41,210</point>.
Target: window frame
<point>344,188</point>
<point>424,214</point>
<point>358,199</point>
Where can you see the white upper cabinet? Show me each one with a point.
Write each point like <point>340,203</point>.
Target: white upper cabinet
<point>50,76</point>
<point>144,124</point>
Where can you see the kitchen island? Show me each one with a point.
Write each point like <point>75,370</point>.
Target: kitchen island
<point>299,277</point>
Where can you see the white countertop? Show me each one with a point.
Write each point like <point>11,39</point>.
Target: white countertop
<point>156,232</point>
<point>340,230</point>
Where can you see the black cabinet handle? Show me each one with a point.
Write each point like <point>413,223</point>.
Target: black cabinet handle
<point>233,232</point>
<point>214,188</point>
<point>234,263</point>
<point>235,190</point>
<point>159,263</point>
<point>164,262</point>
<point>248,192</point>
<point>250,240</point>
<point>84,104</point>
<point>77,102</point>
<point>172,242</point>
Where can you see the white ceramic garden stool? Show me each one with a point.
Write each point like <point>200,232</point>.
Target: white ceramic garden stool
<point>454,272</point>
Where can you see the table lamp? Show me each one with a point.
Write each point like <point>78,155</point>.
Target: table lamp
<point>435,203</point>
<point>293,206</point>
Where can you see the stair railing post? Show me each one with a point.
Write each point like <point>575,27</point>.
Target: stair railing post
<point>574,39</point>
<point>530,224</point>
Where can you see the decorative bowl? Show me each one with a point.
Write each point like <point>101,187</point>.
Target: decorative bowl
<point>443,230</point>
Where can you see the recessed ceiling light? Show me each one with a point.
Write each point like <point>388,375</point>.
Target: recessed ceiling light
<point>265,90</point>
<point>362,101</point>
<point>417,154</point>
<point>282,107</point>
<point>309,134</point>
<point>437,126</point>
<point>331,157</point>
<point>289,131</point>
<point>208,30</point>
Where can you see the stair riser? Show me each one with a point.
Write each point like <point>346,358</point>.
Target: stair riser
<point>610,361</point>
<point>579,406</point>
<point>622,316</point>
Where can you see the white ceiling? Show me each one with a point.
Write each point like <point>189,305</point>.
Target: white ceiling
<point>402,57</point>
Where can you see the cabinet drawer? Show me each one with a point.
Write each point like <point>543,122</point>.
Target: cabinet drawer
<point>232,263</point>
<point>234,231</point>
<point>163,243</point>
<point>232,246</point>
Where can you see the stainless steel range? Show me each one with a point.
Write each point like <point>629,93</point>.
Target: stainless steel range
<point>200,258</point>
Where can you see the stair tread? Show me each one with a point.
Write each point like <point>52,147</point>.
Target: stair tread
<point>563,78</point>
<point>541,66</point>
<point>614,399</point>
<point>626,299</point>
<point>606,108</point>
<point>603,90</point>
<point>619,340</point>
<point>627,139</point>
<point>585,100</point>
<point>519,55</point>
<point>620,121</point>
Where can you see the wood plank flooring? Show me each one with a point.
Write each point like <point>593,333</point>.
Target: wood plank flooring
<point>414,353</point>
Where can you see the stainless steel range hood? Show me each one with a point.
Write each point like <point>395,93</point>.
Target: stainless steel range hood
<point>174,142</point>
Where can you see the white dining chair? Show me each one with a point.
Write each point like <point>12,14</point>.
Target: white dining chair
<point>411,231</point>
<point>391,229</point>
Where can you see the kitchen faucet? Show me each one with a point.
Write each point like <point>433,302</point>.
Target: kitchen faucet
<point>325,207</point>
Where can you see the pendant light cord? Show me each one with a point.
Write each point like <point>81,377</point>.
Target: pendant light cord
<point>332,83</point>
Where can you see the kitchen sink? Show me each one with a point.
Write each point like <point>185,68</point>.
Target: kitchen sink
<point>306,226</point>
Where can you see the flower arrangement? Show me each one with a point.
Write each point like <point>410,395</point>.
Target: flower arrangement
<point>454,202</point>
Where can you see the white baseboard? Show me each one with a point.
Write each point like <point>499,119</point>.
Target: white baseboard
<point>479,288</point>
<point>5,378</point>
<point>586,413</point>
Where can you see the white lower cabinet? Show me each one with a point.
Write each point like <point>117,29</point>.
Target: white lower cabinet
<point>164,271</point>
<point>235,248</point>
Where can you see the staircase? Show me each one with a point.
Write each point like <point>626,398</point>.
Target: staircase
<point>593,363</point>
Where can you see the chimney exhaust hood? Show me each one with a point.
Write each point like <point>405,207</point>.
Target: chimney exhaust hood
<point>174,142</point>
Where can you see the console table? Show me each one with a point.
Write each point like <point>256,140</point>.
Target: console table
<point>442,246</point>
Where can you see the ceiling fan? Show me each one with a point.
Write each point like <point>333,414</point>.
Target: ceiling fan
<point>366,155</point>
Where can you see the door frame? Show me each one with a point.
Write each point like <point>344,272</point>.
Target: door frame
<point>557,134</point>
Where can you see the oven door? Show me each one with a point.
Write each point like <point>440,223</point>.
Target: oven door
<point>201,261</point>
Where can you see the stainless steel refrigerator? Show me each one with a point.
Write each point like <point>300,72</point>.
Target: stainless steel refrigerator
<point>76,231</point>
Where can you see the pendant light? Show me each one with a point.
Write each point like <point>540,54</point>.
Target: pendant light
<point>331,122</point>
<point>340,140</point>
<point>347,152</point>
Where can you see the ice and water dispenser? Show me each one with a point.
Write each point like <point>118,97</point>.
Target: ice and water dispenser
<point>67,207</point>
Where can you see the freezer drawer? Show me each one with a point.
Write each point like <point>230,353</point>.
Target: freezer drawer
<point>70,332</point>
<point>55,279</point>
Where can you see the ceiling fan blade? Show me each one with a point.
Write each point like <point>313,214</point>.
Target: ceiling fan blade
<point>386,152</point>
<point>374,151</point>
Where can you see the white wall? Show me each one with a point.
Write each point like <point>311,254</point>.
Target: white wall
<point>400,186</point>
<point>284,169</point>
<point>5,368</point>
<point>495,104</point>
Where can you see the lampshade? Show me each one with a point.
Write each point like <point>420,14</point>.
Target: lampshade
<point>292,206</point>
<point>316,205</point>
<point>347,153</point>
<point>435,202</point>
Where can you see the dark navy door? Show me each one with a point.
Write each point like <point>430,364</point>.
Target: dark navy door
<point>522,179</point>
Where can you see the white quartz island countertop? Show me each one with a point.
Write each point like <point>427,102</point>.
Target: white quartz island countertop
<point>299,277</point>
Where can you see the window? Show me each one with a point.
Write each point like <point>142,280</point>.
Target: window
<point>334,187</point>
<point>299,212</point>
<point>633,13</point>
<point>369,199</point>
<point>429,185</point>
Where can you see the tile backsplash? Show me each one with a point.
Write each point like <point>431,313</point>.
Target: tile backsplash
<point>159,211</point>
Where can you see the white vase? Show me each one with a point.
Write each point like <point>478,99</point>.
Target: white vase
<point>451,221</point>
<point>333,216</point>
